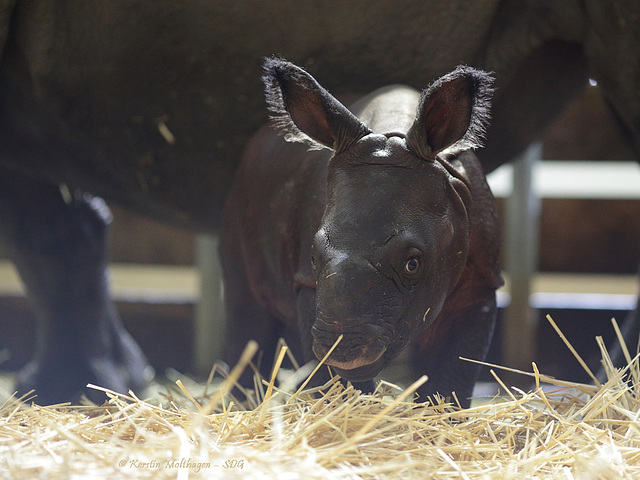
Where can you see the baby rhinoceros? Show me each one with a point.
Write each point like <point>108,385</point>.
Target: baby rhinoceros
<point>384,231</point>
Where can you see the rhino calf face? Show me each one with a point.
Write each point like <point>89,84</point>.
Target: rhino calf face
<point>392,241</point>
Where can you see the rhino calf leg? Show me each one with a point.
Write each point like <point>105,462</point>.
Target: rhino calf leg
<point>466,331</point>
<point>57,240</point>
<point>246,319</point>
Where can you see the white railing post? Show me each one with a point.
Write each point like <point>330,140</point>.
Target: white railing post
<point>522,216</point>
<point>209,318</point>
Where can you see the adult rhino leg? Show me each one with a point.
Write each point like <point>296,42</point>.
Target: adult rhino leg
<point>57,240</point>
<point>463,329</point>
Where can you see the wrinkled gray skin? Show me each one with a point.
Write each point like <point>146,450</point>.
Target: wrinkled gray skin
<point>87,88</point>
<point>390,239</point>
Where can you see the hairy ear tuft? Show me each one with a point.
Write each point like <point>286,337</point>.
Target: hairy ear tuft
<point>453,113</point>
<point>277,72</point>
<point>306,112</point>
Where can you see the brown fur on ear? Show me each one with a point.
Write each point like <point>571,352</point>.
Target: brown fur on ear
<point>453,113</point>
<point>306,112</point>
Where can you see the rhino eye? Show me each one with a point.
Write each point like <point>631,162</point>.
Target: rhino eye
<point>412,266</point>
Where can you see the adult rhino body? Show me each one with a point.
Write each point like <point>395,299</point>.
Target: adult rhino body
<point>149,104</point>
<point>389,238</point>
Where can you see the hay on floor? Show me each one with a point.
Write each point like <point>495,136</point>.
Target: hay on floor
<point>563,431</point>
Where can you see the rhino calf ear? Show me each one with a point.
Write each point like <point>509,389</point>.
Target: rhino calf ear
<point>305,111</point>
<point>453,113</point>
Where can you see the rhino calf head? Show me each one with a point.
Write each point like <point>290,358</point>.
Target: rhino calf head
<point>394,237</point>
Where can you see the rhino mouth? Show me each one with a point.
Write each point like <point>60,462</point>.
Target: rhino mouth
<point>363,373</point>
<point>360,361</point>
<point>360,354</point>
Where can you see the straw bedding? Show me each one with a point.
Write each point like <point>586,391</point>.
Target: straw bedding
<point>562,431</point>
